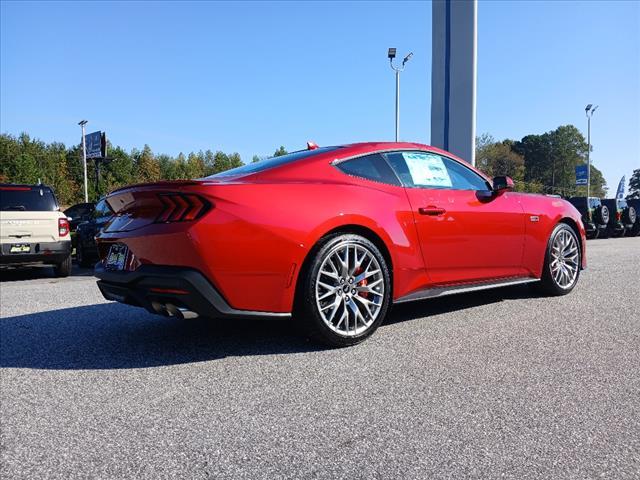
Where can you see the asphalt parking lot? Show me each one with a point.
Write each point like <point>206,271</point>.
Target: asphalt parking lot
<point>498,384</point>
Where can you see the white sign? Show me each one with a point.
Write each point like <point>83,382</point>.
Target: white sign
<point>427,170</point>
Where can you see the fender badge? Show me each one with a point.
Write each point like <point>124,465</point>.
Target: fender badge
<point>534,218</point>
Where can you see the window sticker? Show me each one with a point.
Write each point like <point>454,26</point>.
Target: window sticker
<point>427,170</point>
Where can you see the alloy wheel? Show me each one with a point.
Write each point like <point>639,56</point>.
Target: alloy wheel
<point>349,289</point>
<point>565,258</point>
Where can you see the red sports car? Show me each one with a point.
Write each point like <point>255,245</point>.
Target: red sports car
<point>334,235</point>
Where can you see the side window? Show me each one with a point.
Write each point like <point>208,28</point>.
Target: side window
<point>372,167</point>
<point>430,170</point>
<point>464,178</point>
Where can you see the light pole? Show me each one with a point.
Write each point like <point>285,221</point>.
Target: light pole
<point>392,54</point>
<point>82,123</point>
<point>589,111</point>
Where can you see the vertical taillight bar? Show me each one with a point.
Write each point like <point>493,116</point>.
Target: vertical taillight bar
<point>63,227</point>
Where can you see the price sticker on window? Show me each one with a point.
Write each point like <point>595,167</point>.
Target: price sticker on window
<point>427,170</point>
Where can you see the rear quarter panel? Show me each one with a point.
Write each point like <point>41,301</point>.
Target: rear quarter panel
<point>259,235</point>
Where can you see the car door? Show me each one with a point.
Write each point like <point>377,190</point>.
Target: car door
<point>466,233</point>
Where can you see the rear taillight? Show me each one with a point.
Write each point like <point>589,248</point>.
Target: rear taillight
<point>63,227</point>
<point>618,216</point>
<point>181,207</point>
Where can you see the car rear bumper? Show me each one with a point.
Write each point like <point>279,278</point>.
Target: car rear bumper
<point>42,252</point>
<point>170,291</point>
<point>617,227</point>
<point>591,227</point>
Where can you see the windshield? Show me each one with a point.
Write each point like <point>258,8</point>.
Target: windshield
<point>262,165</point>
<point>27,199</point>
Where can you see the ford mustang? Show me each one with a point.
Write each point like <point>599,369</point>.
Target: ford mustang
<point>333,236</point>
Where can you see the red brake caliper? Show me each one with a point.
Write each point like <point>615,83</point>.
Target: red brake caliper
<point>361,283</point>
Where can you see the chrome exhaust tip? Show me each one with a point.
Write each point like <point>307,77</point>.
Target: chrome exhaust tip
<point>180,312</point>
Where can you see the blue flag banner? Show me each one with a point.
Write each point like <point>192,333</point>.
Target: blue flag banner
<point>581,174</point>
<point>620,193</point>
<point>93,141</point>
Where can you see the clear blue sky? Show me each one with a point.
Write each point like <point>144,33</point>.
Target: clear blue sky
<point>248,77</point>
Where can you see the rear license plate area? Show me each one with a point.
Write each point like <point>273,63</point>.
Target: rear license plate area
<point>20,248</point>
<point>117,257</point>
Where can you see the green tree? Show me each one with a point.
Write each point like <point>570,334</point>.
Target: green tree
<point>147,167</point>
<point>195,165</point>
<point>498,158</point>
<point>536,150</point>
<point>634,184</point>
<point>280,151</point>
<point>550,160</point>
<point>220,162</point>
<point>223,162</point>
<point>255,159</point>
<point>235,160</point>
<point>209,163</point>
<point>24,169</point>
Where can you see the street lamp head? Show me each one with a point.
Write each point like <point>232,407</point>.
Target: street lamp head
<point>407,58</point>
<point>588,107</point>
<point>82,122</point>
<point>593,110</point>
<point>392,53</point>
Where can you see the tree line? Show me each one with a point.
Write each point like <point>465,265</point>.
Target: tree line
<point>27,160</point>
<point>542,163</point>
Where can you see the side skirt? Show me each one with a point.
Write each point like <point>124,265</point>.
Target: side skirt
<point>434,292</point>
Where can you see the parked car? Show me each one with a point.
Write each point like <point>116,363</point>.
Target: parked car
<point>595,217</point>
<point>634,230</point>
<point>81,212</point>
<point>86,250</point>
<point>77,214</point>
<point>621,218</point>
<point>33,229</point>
<point>333,235</point>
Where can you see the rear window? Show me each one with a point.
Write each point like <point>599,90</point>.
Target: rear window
<point>27,199</point>
<point>262,165</point>
<point>372,167</point>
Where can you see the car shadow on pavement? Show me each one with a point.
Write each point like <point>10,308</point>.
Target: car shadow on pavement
<point>36,272</point>
<point>452,303</point>
<point>114,336</point>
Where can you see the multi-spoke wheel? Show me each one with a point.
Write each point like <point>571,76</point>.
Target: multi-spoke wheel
<point>346,290</point>
<point>562,261</point>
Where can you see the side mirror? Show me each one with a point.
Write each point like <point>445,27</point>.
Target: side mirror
<point>502,184</point>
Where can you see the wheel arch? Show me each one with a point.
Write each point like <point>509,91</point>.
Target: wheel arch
<point>574,226</point>
<point>353,228</point>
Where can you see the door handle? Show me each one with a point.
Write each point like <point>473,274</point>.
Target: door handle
<point>431,211</point>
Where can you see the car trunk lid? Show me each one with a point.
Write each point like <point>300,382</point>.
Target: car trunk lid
<point>28,227</point>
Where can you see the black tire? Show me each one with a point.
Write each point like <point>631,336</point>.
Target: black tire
<point>547,284</point>
<point>63,269</point>
<point>81,257</point>
<point>602,215</point>
<point>307,306</point>
<point>629,216</point>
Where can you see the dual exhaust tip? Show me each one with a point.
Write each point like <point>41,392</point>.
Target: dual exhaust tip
<point>170,310</point>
